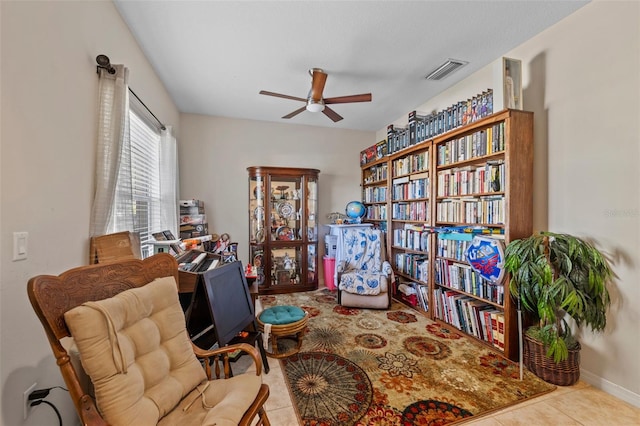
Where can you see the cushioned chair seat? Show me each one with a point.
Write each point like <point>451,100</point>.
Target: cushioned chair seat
<point>283,314</point>
<point>230,398</point>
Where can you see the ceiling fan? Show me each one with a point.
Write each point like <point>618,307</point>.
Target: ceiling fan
<point>315,102</point>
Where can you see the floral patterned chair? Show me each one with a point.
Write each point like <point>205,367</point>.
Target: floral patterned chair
<point>364,275</point>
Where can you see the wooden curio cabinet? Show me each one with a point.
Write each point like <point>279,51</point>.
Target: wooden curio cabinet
<point>283,228</point>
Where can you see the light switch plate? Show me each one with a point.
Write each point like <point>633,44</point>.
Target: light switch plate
<point>20,245</point>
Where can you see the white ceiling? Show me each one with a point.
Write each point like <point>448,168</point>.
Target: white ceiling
<point>215,56</point>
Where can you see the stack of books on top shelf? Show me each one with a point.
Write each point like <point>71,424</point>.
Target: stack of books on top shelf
<point>425,126</point>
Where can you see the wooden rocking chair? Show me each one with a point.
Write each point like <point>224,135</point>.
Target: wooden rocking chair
<point>129,329</point>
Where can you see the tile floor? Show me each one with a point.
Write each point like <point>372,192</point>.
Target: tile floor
<point>580,404</point>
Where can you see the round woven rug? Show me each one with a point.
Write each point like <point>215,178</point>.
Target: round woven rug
<point>327,388</point>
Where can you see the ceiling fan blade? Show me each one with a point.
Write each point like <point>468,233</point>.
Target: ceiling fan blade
<point>331,114</point>
<point>318,79</point>
<point>278,95</point>
<point>294,113</point>
<point>365,97</point>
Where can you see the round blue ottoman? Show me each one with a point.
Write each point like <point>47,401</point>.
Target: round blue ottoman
<point>283,321</point>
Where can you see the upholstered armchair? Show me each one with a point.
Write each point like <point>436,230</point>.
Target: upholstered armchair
<point>128,326</point>
<point>364,275</point>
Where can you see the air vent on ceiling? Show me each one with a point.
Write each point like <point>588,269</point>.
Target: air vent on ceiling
<point>445,69</point>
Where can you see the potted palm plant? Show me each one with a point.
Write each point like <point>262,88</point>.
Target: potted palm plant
<point>555,277</point>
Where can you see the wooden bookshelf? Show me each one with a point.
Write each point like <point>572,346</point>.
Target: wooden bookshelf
<point>480,174</point>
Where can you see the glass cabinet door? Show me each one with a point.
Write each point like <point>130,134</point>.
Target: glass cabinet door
<point>257,211</point>
<point>286,265</point>
<point>285,213</point>
<point>312,209</point>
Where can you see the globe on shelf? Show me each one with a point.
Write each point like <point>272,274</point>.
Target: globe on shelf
<point>355,211</point>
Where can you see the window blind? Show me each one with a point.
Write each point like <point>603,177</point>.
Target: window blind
<point>145,178</point>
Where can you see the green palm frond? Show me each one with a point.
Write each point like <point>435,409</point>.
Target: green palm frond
<point>555,275</point>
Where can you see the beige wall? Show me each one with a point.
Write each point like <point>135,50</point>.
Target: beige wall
<point>49,94</point>
<point>215,153</point>
<point>581,78</point>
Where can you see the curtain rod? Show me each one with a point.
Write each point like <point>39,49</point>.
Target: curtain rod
<point>104,62</point>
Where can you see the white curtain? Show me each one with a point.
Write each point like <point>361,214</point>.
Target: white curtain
<point>169,181</point>
<point>113,156</point>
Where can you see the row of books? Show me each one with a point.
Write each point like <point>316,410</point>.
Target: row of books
<point>421,127</point>
<point>376,173</point>
<point>422,295</point>
<point>410,189</point>
<point>483,321</point>
<point>477,144</point>
<point>397,138</point>
<point>414,265</point>
<point>460,276</point>
<point>453,249</point>
<point>426,126</point>
<point>481,210</point>
<point>374,152</point>
<point>414,210</point>
<point>461,113</point>
<point>374,194</point>
<point>472,180</point>
<point>413,237</point>
<point>377,212</point>
<point>410,164</point>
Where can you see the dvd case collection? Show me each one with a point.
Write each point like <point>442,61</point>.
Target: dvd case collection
<point>424,126</point>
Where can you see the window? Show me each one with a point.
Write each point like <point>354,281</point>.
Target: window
<point>136,186</point>
<point>145,179</point>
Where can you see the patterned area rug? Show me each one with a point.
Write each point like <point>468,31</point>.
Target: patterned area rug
<point>394,367</point>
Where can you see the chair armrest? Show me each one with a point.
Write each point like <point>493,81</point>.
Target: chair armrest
<point>215,353</point>
<point>89,413</point>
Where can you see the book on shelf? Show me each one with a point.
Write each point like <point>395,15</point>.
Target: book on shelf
<point>382,149</point>
<point>422,175</point>
<point>501,331</point>
<point>415,120</point>
<point>497,330</point>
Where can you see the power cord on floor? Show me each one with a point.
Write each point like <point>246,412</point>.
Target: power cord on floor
<point>38,396</point>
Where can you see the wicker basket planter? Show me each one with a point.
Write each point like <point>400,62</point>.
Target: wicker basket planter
<point>564,373</point>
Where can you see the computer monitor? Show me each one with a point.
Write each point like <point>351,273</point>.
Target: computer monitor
<point>220,300</point>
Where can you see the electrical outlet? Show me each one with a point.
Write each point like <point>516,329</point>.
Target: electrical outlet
<point>26,404</point>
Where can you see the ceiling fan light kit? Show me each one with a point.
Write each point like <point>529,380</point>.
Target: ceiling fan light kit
<point>315,102</point>
<point>313,106</point>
